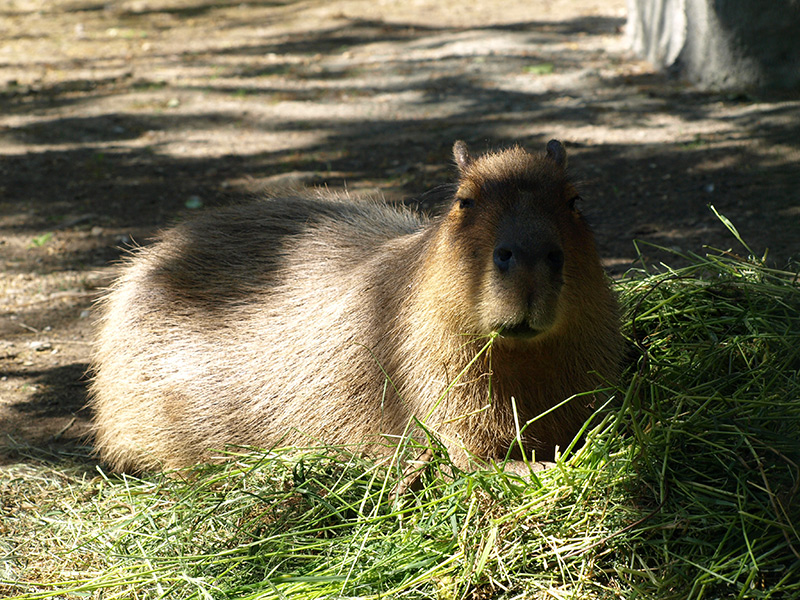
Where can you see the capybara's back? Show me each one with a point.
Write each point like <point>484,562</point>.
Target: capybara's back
<point>320,318</point>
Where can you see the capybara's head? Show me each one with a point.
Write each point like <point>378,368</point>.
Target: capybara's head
<point>516,240</point>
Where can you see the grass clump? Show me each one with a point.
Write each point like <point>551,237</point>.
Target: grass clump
<point>714,419</point>
<point>688,487</point>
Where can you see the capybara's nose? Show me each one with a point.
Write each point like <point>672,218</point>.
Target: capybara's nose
<point>508,257</point>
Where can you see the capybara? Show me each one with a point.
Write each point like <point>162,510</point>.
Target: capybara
<point>319,317</point>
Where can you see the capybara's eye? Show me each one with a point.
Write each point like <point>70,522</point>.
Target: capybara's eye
<point>465,202</point>
<point>573,201</point>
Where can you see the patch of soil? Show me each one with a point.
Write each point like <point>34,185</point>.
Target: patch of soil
<point>118,118</point>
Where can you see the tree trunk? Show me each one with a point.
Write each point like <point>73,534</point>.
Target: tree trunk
<point>720,44</point>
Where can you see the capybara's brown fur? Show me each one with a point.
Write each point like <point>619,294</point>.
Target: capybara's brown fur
<point>325,318</point>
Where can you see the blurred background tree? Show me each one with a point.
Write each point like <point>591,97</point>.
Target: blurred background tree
<point>720,44</point>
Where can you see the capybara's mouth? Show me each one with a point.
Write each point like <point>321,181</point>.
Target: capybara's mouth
<point>519,331</point>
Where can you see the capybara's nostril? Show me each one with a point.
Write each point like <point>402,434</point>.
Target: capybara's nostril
<point>503,258</point>
<point>555,260</point>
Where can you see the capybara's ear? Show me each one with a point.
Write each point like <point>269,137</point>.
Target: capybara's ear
<point>461,154</point>
<point>556,152</point>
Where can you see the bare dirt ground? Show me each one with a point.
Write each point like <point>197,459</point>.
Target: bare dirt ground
<point>117,118</point>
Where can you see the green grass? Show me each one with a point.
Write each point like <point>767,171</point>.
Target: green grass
<point>41,240</point>
<point>688,487</point>
<point>540,69</point>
